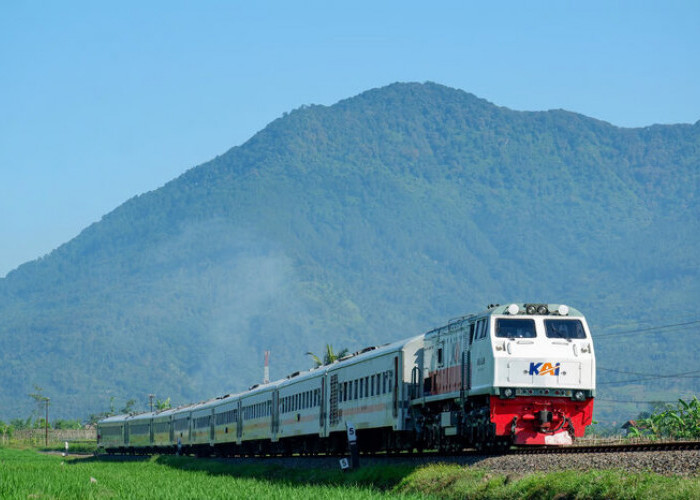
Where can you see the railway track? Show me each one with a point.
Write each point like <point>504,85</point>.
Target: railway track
<point>432,455</point>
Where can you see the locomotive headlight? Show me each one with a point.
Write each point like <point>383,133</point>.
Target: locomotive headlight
<point>563,310</point>
<point>542,309</point>
<point>531,309</point>
<point>513,309</point>
<point>507,393</point>
<point>579,396</point>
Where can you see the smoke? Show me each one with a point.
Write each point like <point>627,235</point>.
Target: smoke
<point>235,290</point>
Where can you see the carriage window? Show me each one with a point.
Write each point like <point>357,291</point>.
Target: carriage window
<point>564,329</point>
<point>515,328</point>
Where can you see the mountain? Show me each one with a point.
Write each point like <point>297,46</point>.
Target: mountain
<point>360,223</point>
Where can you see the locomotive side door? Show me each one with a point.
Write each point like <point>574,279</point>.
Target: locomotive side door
<point>466,375</point>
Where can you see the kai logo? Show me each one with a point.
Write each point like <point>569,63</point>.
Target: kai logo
<point>544,369</point>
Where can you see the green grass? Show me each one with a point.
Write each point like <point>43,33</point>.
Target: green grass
<point>28,474</point>
<point>454,482</point>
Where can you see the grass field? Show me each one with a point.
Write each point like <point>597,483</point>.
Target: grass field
<point>28,474</point>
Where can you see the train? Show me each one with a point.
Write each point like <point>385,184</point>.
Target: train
<point>519,374</point>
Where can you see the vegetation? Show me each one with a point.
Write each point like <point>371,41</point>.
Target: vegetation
<point>679,422</point>
<point>27,474</point>
<point>329,356</point>
<point>358,224</point>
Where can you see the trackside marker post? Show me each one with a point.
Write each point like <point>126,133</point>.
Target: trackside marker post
<point>352,445</point>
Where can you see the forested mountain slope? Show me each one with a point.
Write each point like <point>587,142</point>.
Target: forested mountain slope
<point>360,223</point>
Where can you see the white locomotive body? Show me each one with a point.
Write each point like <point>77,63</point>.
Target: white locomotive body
<point>517,374</point>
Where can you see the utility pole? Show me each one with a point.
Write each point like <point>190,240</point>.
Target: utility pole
<point>46,424</point>
<point>150,398</point>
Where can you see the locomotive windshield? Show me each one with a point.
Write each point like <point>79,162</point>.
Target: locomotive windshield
<point>515,328</point>
<point>564,329</point>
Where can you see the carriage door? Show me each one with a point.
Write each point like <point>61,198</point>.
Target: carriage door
<point>395,411</point>
<point>212,421</point>
<point>275,415</point>
<point>322,409</point>
<point>239,424</point>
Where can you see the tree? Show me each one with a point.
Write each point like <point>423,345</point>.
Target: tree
<point>329,356</point>
<point>19,424</point>
<point>39,398</point>
<point>6,430</point>
<point>67,424</point>
<point>44,401</point>
<point>163,405</point>
<point>128,407</point>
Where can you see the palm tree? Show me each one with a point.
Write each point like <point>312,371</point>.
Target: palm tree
<point>329,356</point>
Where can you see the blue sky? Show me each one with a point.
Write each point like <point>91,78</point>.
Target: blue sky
<point>101,101</point>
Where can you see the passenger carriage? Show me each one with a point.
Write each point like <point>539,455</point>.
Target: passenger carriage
<point>255,418</point>
<point>202,427</point>
<point>225,420</point>
<point>110,433</point>
<point>163,430</point>
<point>137,432</point>
<point>369,391</point>
<point>300,411</point>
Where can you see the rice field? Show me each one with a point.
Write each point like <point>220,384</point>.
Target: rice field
<point>27,474</point>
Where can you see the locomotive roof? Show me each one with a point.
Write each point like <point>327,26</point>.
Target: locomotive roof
<point>497,309</point>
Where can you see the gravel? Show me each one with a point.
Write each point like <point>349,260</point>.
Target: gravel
<point>660,462</point>
<point>668,463</point>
